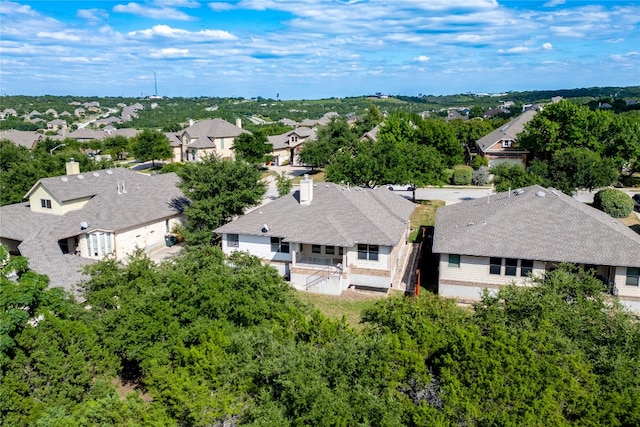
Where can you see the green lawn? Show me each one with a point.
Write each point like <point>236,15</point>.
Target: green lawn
<point>317,175</point>
<point>425,214</point>
<point>350,305</point>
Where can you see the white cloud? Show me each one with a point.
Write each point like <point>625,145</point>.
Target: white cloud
<point>421,58</point>
<point>553,3</point>
<point>547,46</point>
<point>516,49</point>
<point>628,55</point>
<point>153,12</point>
<point>178,3</point>
<point>93,15</point>
<point>169,53</point>
<point>220,6</point>
<point>60,35</point>
<point>12,8</point>
<point>166,31</point>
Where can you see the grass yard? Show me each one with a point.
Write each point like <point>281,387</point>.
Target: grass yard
<point>317,175</point>
<point>425,214</point>
<point>350,305</point>
<point>632,221</point>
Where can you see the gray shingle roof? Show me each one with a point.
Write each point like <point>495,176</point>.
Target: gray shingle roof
<point>23,138</point>
<point>554,227</point>
<point>205,130</point>
<point>507,131</point>
<point>282,140</point>
<point>336,216</point>
<point>146,200</point>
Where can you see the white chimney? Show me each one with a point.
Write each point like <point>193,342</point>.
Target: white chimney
<point>190,122</point>
<point>73,167</point>
<point>239,122</point>
<point>306,190</point>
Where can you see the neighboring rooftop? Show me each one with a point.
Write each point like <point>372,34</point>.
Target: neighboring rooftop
<point>508,131</point>
<point>538,224</point>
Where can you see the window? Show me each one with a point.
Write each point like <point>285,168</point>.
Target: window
<point>526,267</point>
<point>510,267</point>
<point>454,261</point>
<point>316,249</point>
<point>369,252</point>
<point>633,276</point>
<point>506,143</point>
<point>233,241</point>
<point>222,143</point>
<point>277,245</point>
<point>330,250</point>
<point>495,265</point>
<point>340,250</point>
<point>45,203</point>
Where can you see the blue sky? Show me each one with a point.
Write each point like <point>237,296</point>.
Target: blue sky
<point>310,49</point>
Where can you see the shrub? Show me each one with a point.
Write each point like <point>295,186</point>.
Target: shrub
<point>462,175</point>
<point>479,161</point>
<point>448,175</point>
<point>613,202</point>
<point>481,176</point>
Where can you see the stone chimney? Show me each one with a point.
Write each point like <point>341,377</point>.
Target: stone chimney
<point>73,167</point>
<point>239,122</point>
<point>306,190</point>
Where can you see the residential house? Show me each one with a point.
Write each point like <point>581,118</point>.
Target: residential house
<point>286,146</point>
<point>176,145</point>
<point>24,138</point>
<point>209,137</point>
<point>57,124</point>
<point>85,135</point>
<point>73,220</point>
<point>501,144</point>
<point>325,238</point>
<point>53,113</point>
<point>502,238</point>
<point>371,135</point>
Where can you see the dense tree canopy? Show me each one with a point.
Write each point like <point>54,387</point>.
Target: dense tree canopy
<point>216,341</point>
<point>217,191</point>
<point>151,145</point>
<point>253,147</point>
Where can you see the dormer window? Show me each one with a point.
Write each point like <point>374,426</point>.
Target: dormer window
<point>45,203</point>
<point>506,143</point>
<point>293,139</point>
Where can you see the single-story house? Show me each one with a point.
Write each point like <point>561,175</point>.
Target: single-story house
<point>488,242</point>
<point>24,138</point>
<point>209,137</point>
<point>286,146</point>
<point>325,238</point>
<point>501,144</point>
<point>73,220</point>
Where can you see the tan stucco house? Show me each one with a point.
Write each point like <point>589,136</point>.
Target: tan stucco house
<point>73,220</point>
<point>325,237</point>
<point>209,137</point>
<point>286,146</point>
<point>492,241</point>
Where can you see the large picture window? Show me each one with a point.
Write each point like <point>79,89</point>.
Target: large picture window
<point>633,276</point>
<point>369,252</point>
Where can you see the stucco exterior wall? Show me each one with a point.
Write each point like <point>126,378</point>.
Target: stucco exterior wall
<point>57,208</point>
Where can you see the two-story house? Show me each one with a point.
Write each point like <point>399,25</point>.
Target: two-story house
<point>325,237</point>
<point>69,221</point>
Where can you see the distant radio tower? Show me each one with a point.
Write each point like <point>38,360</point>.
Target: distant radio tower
<point>155,82</point>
